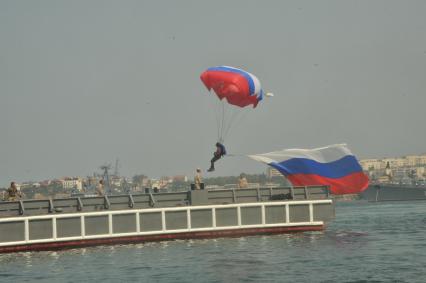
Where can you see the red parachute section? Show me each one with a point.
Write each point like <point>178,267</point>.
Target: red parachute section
<point>233,86</point>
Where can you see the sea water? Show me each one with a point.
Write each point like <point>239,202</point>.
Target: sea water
<point>367,242</point>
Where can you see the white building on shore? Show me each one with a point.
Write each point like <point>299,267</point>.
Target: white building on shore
<point>72,183</point>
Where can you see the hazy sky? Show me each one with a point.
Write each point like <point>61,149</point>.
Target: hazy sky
<point>85,82</point>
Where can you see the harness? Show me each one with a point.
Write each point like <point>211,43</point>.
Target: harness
<point>222,149</point>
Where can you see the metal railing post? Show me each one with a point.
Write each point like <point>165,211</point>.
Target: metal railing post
<point>51,206</point>
<point>131,201</point>
<point>79,204</point>
<point>21,207</point>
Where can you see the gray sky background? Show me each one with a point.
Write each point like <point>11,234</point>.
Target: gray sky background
<point>85,82</point>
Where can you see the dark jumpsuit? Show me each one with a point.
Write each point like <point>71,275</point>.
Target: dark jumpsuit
<point>220,151</point>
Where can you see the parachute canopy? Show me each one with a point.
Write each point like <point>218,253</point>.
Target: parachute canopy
<point>238,87</point>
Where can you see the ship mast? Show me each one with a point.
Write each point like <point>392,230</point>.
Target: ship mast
<point>105,178</point>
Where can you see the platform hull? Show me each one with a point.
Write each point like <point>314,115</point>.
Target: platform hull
<point>157,238</point>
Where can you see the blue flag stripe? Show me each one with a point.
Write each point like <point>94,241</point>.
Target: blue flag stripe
<point>237,71</point>
<point>336,169</point>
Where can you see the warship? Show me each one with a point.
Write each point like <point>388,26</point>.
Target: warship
<point>394,192</point>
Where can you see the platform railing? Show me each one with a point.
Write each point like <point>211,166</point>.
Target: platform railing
<point>154,200</point>
<point>169,217</point>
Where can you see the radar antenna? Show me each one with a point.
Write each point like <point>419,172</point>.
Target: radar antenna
<point>116,174</point>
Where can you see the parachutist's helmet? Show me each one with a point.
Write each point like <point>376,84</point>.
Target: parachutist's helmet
<point>217,144</point>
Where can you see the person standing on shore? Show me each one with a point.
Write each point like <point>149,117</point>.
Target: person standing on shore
<point>198,179</point>
<point>100,188</point>
<point>13,192</point>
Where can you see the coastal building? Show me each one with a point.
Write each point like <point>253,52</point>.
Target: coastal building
<point>394,162</point>
<point>180,178</point>
<point>421,172</point>
<point>371,164</point>
<point>422,159</point>
<point>45,183</point>
<point>24,185</point>
<point>72,183</point>
<point>396,170</point>
<point>116,181</point>
<point>412,160</point>
<point>91,181</point>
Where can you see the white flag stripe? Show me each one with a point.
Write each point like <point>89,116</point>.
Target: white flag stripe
<point>323,154</point>
<point>256,83</point>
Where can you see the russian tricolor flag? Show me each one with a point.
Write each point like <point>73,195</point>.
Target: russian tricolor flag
<point>334,166</point>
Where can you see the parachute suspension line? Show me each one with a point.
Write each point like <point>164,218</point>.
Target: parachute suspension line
<point>225,115</point>
<point>235,155</point>
<point>216,108</point>
<point>220,138</point>
<point>237,116</point>
<point>234,115</point>
<point>217,114</point>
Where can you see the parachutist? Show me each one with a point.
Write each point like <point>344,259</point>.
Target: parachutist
<point>220,151</point>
